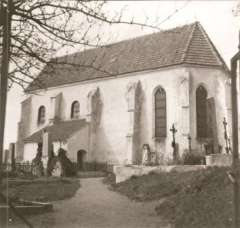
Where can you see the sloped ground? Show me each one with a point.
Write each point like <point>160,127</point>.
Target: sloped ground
<point>95,206</point>
<point>41,189</point>
<point>192,199</point>
<point>34,189</point>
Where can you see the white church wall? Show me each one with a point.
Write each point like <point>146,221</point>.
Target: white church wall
<point>78,141</point>
<point>215,82</point>
<point>112,132</point>
<point>30,151</point>
<point>58,145</point>
<point>111,137</point>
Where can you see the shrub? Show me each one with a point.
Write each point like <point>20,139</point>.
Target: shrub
<point>193,158</point>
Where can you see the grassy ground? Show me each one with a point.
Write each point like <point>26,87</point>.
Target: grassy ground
<point>193,200</point>
<point>41,189</point>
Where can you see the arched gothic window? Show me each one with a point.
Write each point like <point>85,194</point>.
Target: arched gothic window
<point>201,109</point>
<point>41,115</point>
<point>160,113</point>
<point>75,109</point>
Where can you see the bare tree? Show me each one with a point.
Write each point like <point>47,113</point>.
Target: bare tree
<point>40,28</point>
<point>32,31</point>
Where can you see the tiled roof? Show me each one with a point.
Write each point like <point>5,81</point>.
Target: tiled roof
<point>187,44</point>
<point>60,131</point>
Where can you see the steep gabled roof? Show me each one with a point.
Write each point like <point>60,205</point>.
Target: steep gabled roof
<point>188,44</point>
<point>60,131</point>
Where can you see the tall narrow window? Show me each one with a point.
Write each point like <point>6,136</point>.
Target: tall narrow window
<point>41,115</point>
<point>201,106</point>
<point>75,109</point>
<point>160,113</point>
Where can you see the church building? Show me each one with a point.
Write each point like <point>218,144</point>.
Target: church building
<point>103,104</point>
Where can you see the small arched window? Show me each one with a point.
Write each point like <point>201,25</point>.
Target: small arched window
<point>160,113</point>
<point>75,109</point>
<point>41,115</point>
<point>201,109</point>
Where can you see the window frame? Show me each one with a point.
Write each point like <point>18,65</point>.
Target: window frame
<point>41,115</point>
<point>164,134</point>
<point>73,111</point>
<point>201,135</point>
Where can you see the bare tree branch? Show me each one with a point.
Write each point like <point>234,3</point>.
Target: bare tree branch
<point>41,28</point>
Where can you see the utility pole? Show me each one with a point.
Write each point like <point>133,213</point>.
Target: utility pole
<point>235,155</point>
<point>5,22</point>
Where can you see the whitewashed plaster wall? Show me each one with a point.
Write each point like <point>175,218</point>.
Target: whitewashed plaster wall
<point>112,132</point>
<point>30,151</point>
<point>78,141</point>
<point>216,82</point>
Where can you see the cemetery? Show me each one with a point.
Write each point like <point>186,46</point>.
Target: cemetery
<point>137,131</point>
<point>208,191</point>
<point>191,160</point>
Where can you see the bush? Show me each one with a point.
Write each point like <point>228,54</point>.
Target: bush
<point>193,158</point>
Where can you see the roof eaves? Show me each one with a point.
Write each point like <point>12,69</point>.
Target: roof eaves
<point>125,73</point>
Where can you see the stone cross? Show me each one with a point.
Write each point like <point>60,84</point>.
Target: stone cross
<point>189,143</point>
<point>174,131</point>
<point>225,135</point>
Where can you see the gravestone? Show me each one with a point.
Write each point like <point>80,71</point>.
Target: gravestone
<point>12,155</point>
<point>153,158</point>
<point>9,157</point>
<point>57,169</point>
<point>7,160</point>
<point>212,123</point>
<point>61,165</point>
<point>6,156</point>
<point>145,154</point>
<point>37,164</point>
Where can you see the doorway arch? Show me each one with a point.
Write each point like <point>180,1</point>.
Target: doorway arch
<point>80,159</point>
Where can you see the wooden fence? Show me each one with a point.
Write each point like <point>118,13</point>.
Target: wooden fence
<point>25,167</point>
<point>28,167</point>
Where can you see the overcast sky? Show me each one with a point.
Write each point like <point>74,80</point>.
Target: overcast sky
<point>215,16</point>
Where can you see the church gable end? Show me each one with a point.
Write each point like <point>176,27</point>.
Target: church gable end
<point>201,50</point>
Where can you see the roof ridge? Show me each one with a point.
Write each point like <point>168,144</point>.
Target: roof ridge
<point>149,34</point>
<point>183,44</point>
<point>189,41</point>
<point>212,46</point>
<point>128,39</point>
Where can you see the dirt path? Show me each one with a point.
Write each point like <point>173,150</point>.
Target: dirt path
<point>95,206</point>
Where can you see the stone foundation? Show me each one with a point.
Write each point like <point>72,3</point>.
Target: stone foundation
<point>219,160</point>
<point>125,172</point>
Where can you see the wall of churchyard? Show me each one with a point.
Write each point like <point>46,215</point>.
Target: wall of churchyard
<point>111,142</point>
